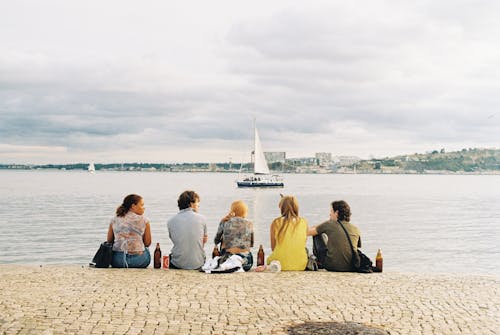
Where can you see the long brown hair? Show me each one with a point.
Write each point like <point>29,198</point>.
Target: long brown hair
<point>289,207</point>
<point>128,201</point>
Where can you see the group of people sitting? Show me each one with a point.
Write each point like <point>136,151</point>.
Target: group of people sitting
<point>130,233</point>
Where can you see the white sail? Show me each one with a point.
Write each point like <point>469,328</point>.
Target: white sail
<point>260,163</point>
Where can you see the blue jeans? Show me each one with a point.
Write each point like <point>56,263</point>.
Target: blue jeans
<point>249,259</point>
<point>120,260</point>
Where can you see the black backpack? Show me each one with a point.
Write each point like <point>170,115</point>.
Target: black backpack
<point>103,256</point>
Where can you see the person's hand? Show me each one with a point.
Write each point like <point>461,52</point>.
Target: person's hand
<point>228,216</point>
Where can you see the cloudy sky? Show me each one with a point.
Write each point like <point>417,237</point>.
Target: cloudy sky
<point>158,81</point>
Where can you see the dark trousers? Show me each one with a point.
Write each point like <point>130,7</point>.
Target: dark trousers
<point>319,250</point>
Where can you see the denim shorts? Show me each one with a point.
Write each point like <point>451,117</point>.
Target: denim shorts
<point>122,260</point>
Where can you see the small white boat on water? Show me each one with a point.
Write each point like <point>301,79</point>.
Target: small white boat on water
<point>261,176</point>
<point>91,168</point>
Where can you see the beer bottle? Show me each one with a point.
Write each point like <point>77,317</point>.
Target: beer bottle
<point>379,261</point>
<point>215,252</point>
<point>260,256</point>
<point>157,257</point>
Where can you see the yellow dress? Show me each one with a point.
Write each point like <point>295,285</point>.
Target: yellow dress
<point>291,251</point>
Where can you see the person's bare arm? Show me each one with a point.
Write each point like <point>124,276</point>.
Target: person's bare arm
<point>111,236</point>
<point>146,238</point>
<point>312,231</point>
<point>273,238</point>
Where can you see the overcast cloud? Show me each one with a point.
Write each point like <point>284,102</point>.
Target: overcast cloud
<point>111,81</point>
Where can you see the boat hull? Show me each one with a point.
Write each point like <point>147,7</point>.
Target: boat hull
<point>261,181</point>
<point>259,184</point>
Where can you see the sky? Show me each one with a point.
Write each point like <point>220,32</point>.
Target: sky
<point>171,81</point>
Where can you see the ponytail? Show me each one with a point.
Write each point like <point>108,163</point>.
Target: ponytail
<point>129,200</point>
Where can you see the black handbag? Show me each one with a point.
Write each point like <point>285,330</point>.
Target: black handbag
<point>360,262</point>
<point>103,256</point>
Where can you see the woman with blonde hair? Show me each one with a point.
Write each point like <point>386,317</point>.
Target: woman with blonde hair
<point>235,234</point>
<point>288,236</point>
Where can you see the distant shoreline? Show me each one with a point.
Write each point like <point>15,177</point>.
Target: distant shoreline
<point>444,172</point>
<point>466,161</point>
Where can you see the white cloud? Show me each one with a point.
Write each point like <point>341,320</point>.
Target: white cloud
<point>183,82</point>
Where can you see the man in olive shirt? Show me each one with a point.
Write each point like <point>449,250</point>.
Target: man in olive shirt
<point>338,255</point>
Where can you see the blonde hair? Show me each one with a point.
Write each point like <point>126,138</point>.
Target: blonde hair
<point>239,208</point>
<point>289,207</point>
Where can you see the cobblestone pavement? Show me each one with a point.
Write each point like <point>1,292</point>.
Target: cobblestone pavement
<point>75,300</point>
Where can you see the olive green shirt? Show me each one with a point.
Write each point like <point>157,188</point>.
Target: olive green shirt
<point>339,254</point>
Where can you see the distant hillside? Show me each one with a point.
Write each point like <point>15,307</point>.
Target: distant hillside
<point>465,160</point>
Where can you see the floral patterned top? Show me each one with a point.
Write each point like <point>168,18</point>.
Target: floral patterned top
<point>128,231</point>
<point>237,232</point>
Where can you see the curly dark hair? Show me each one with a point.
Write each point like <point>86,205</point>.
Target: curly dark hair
<point>344,210</point>
<point>186,198</point>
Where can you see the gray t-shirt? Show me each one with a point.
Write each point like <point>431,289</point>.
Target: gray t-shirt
<point>186,230</point>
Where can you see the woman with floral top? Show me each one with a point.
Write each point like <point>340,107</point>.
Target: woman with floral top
<point>235,234</point>
<point>130,233</point>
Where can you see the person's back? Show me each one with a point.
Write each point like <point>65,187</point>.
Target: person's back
<point>290,250</point>
<point>128,231</point>
<point>130,234</point>
<point>188,232</point>
<point>289,236</point>
<point>339,254</point>
<point>236,233</point>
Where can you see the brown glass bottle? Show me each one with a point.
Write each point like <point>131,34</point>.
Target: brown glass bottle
<point>157,257</point>
<point>260,256</point>
<point>215,252</point>
<point>379,261</point>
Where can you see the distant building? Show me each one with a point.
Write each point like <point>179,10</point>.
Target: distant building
<point>275,157</point>
<point>346,160</point>
<point>307,161</point>
<point>323,158</point>
<point>212,167</point>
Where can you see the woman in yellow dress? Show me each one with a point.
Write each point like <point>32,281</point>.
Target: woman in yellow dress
<point>288,236</point>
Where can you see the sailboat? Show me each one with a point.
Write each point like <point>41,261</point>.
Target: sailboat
<point>91,168</point>
<point>261,176</point>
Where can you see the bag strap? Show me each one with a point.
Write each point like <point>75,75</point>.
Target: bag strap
<point>350,243</point>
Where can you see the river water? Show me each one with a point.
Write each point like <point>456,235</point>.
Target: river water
<point>422,223</point>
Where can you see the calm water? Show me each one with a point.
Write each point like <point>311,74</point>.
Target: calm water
<point>428,223</point>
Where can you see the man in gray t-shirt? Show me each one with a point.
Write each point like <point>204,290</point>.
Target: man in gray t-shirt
<point>188,231</point>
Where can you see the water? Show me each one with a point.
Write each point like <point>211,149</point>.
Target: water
<point>422,223</point>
